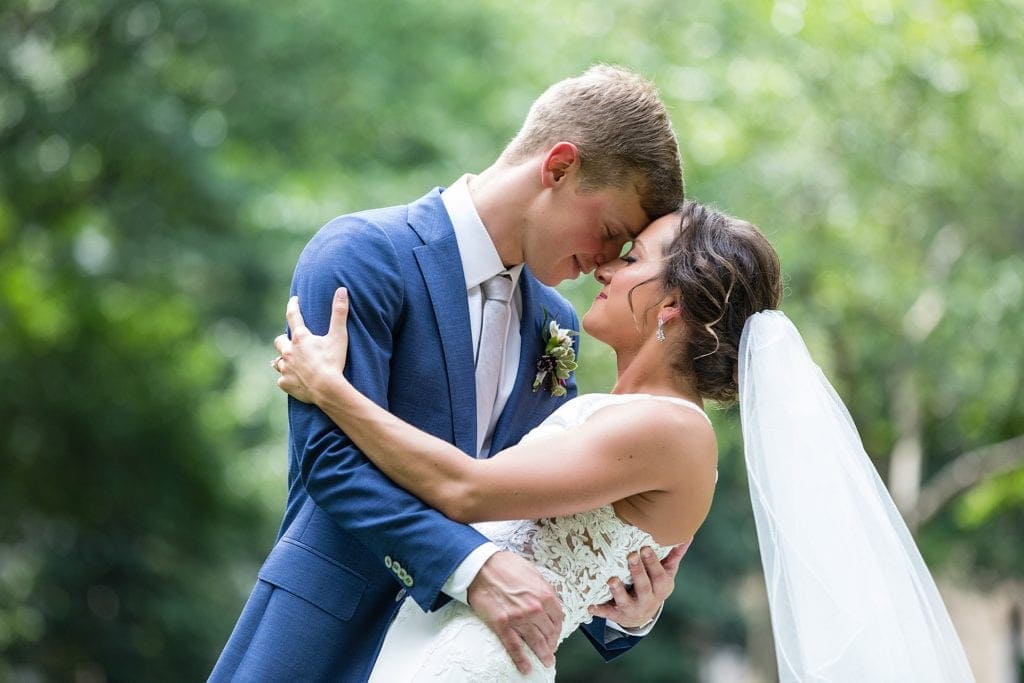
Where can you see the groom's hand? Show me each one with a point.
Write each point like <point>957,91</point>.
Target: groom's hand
<point>653,581</point>
<point>511,597</point>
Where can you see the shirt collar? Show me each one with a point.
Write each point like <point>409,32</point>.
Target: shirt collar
<point>480,260</point>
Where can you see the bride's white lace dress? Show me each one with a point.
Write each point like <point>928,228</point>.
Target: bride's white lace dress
<point>576,553</point>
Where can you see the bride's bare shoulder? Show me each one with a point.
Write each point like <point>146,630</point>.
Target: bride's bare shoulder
<point>674,446</point>
<point>661,428</point>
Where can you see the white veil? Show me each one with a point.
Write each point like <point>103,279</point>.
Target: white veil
<point>850,597</point>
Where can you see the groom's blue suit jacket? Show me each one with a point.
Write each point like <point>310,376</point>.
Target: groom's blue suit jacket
<point>352,544</point>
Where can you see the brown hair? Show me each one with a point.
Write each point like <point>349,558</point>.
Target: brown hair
<point>724,271</point>
<point>621,129</point>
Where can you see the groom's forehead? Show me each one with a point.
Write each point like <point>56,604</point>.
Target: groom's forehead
<point>627,214</point>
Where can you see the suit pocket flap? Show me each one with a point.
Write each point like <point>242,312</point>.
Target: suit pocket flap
<point>314,578</point>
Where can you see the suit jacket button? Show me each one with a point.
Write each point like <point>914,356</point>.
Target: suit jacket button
<point>387,561</point>
<point>407,581</point>
<point>401,595</point>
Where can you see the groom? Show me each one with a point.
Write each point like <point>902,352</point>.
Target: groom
<point>594,162</point>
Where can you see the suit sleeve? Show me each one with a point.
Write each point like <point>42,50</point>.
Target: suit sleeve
<point>388,520</point>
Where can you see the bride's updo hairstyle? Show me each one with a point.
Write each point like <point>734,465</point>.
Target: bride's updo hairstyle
<point>724,270</point>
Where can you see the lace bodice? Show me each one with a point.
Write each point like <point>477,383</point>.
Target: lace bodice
<point>576,553</point>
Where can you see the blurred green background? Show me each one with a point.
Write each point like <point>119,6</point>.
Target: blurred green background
<point>162,164</point>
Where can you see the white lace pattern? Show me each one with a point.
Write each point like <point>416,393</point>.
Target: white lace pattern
<point>576,553</point>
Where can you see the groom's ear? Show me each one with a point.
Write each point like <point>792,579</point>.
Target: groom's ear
<point>559,162</point>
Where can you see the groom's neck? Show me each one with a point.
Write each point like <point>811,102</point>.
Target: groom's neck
<point>502,196</point>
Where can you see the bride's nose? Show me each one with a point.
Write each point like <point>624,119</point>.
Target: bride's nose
<point>603,273</point>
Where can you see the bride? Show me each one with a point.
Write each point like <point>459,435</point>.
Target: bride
<point>608,475</point>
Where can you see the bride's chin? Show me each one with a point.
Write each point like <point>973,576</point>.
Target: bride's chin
<point>589,328</point>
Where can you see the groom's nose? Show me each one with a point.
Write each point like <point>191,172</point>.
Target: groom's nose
<point>597,260</point>
<point>609,252</point>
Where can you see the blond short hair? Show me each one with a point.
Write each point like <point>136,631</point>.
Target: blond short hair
<point>620,127</point>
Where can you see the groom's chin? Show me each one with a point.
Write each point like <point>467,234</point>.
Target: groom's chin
<point>555,279</point>
<point>549,279</point>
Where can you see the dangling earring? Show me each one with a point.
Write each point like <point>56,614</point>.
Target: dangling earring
<point>660,336</point>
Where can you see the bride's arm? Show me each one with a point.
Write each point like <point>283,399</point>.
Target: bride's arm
<point>630,448</point>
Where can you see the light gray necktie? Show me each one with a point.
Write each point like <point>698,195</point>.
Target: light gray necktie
<point>491,350</point>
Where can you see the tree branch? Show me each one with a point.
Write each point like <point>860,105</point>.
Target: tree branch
<point>965,471</point>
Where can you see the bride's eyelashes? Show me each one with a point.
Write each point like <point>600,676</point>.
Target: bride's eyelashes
<point>628,258</point>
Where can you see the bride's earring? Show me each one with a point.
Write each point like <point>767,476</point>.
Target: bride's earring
<point>660,336</point>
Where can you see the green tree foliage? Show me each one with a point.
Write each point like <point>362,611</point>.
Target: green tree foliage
<point>119,246</point>
<point>162,163</point>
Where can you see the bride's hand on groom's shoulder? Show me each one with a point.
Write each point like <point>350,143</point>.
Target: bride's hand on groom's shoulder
<point>306,360</point>
<point>653,581</point>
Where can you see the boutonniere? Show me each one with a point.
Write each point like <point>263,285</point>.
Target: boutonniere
<point>558,360</point>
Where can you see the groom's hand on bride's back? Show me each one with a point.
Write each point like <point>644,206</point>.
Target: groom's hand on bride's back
<point>514,600</point>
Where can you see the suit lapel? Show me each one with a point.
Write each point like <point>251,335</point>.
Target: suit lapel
<point>442,272</point>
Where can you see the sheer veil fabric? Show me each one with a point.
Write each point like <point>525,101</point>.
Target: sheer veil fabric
<point>850,596</point>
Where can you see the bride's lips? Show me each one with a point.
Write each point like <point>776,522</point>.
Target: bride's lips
<point>601,295</point>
